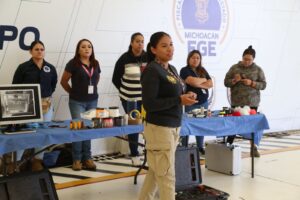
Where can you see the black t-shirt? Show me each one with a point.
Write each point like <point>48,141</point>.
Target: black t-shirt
<point>28,73</point>
<point>202,94</point>
<point>80,81</point>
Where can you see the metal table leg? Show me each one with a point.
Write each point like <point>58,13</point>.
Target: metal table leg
<point>252,155</point>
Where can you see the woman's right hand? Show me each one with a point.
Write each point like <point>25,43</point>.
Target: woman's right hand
<point>236,78</point>
<point>65,81</point>
<point>188,99</point>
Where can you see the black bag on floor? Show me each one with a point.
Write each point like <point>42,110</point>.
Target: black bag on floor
<point>65,155</point>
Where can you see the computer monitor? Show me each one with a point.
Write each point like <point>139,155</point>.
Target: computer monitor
<point>20,103</point>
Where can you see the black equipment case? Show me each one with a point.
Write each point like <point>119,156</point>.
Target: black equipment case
<point>28,186</point>
<point>188,177</point>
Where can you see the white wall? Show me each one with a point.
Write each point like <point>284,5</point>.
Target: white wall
<point>271,26</point>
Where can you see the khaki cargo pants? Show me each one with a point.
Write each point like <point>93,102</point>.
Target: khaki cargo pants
<point>161,143</point>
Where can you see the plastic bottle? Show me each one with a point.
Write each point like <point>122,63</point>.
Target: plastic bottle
<point>208,113</point>
<point>71,125</point>
<point>126,119</point>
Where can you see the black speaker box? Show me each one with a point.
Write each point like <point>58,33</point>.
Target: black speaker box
<point>187,167</point>
<point>28,186</point>
<point>189,178</point>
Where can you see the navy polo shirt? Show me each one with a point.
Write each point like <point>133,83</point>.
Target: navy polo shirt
<point>28,73</point>
<point>202,94</point>
<point>80,81</point>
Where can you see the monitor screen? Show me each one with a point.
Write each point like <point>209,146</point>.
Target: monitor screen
<point>20,103</point>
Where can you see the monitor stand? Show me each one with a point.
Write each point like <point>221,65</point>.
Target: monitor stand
<point>17,129</point>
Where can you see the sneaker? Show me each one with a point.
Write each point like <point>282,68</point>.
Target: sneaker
<point>256,152</point>
<point>77,166</point>
<point>89,164</point>
<point>36,165</point>
<point>136,161</point>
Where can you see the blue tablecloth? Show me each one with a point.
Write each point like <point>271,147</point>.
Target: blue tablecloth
<point>223,126</point>
<point>213,126</point>
<point>46,136</point>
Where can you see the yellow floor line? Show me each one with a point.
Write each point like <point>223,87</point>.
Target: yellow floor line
<point>59,186</point>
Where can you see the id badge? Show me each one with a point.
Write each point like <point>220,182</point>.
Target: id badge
<point>91,89</point>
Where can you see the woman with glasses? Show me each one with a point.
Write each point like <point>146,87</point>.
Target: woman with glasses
<point>245,80</point>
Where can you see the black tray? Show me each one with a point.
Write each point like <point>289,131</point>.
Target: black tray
<point>201,192</point>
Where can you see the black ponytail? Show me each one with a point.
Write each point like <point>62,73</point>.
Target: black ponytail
<point>154,39</point>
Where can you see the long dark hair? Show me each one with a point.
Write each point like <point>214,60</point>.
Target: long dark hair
<point>199,69</point>
<point>133,36</point>
<point>94,63</point>
<point>154,39</point>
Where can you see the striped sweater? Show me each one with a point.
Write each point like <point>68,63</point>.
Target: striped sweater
<point>127,75</point>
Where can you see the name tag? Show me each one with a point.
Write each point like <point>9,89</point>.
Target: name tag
<point>91,89</point>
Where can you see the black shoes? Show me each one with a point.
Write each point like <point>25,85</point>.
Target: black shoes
<point>256,152</point>
<point>202,151</point>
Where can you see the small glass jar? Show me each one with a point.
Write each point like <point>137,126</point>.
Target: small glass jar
<point>114,111</point>
<point>107,122</point>
<point>95,122</point>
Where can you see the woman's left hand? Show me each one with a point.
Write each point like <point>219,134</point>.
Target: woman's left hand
<point>246,81</point>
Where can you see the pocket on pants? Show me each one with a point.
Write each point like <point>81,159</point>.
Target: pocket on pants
<point>159,160</point>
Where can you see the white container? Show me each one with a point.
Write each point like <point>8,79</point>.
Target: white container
<point>114,111</point>
<point>126,119</point>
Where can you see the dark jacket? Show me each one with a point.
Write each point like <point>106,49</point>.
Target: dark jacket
<point>161,95</point>
<point>28,73</point>
<point>244,95</point>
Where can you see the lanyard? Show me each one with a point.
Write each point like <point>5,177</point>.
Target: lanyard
<point>88,73</point>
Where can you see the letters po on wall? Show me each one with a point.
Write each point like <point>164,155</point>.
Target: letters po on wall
<point>11,33</point>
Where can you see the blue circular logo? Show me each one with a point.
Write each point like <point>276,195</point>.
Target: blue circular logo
<point>202,25</point>
<point>201,14</point>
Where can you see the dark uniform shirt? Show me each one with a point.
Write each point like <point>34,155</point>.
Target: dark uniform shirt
<point>202,94</point>
<point>28,73</point>
<point>161,92</point>
<point>80,81</point>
